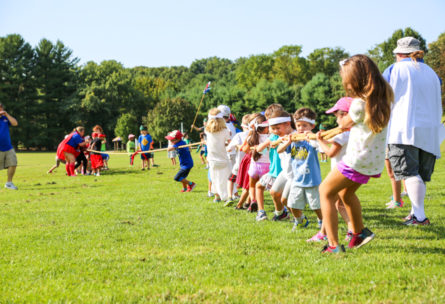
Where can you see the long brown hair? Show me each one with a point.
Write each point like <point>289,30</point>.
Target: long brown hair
<point>362,79</point>
<point>253,138</point>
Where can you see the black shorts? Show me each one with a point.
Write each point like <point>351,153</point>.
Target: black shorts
<point>407,161</point>
<point>146,155</point>
<point>182,173</point>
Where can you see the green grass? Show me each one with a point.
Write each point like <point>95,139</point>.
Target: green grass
<point>131,236</point>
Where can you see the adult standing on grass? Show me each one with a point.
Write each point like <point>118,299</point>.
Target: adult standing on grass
<point>413,130</point>
<point>8,159</point>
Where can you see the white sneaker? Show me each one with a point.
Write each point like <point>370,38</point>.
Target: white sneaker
<point>210,194</point>
<point>10,185</point>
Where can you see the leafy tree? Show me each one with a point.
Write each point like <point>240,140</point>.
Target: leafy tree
<point>317,95</point>
<point>168,115</point>
<point>288,66</point>
<point>250,71</point>
<point>126,124</point>
<point>56,80</point>
<point>326,61</point>
<point>383,52</point>
<point>436,59</point>
<point>18,88</point>
<point>266,93</point>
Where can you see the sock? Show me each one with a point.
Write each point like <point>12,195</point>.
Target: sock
<point>416,189</point>
<point>278,213</point>
<point>67,168</point>
<point>300,219</point>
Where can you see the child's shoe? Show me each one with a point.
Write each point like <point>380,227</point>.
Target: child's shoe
<point>281,217</point>
<point>329,249</point>
<point>261,216</point>
<point>298,225</point>
<point>184,190</point>
<point>403,194</point>
<point>394,204</point>
<point>236,197</point>
<point>253,207</point>
<point>229,203</point>
<point>217,200</point>
<point>11,186</point>
<point>413,221</point>
<point>362,238</point>
<point>317,238</point>
<point>191,187</point>
<point>210,194</point>
<point>348,236</point>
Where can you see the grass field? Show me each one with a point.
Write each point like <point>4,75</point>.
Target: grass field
<point>131,236</point>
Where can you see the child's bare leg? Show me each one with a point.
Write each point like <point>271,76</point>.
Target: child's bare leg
<point>297,213</point>
<point>252,183</point>
<point>395,185</point>
<point>276,198</point>
<point>230,189</point>
<point>243,197</point>
<point>318,213</point>
<point>259,195</point>
<point>342,210</point>
<point>353,207</point>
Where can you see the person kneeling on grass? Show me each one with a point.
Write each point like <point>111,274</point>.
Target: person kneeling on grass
<point>185,160</point>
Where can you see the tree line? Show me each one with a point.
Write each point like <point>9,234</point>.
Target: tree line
<point>49,93</point>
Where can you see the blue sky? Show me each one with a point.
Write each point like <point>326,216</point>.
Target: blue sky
<point>174,32</point>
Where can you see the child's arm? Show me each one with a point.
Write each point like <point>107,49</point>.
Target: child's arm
<point>263,146</point>
<point>345,122</point>
<point>281,148</point>
<point>330,148</point>
<point>171,148</point>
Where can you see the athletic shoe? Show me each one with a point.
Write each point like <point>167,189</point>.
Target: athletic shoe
<point>210,194</point>
<point>298,225</point>
<point>317,238</point>
<point>282,217</point>
<point>184,190</point>
<point>253,207</point>
<point>413,221</point>
<point>217,200</point>
<point>240,208</point>
<point>236,197</point>
<point>229,203</point>
<point>403,194</point>
<point>348,236</point>
<point>155,165</point>
<point>394,204</point>
<point>329,249</point>
<point>362,238</point>
<point>11,186</point>
<point>261,216</point>
<point>408,217</point>
<point>191,187</point>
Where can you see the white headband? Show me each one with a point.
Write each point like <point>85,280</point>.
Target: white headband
<point>263,124</point>
<point>311,121</point>
<point>219,115</point>
<point>278,120</point>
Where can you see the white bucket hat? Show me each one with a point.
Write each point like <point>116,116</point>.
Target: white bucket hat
<point>407,45</point>
<point>225,110</point>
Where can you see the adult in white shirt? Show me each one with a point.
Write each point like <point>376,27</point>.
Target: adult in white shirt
<point>413,130</point>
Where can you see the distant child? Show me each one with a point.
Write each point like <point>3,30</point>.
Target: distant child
<point>259,163</point>
<point>278,115</point>
<point>305,168</point>
<point>171,153</point>
<point>202,149</point>
<point>235,144</point>
<point>185,160</point>
<point>217,136</point>
<point>131,145</point>
<point>96,158</point>
<point>335,149</point>
<point>368,118</point>
<point>69,149</point>
<point>144,142</point>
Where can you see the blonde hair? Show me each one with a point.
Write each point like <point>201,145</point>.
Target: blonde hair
<point>246,119</point>
<point>80,129</point>
<point>215,124</point>
<point>362,79</point>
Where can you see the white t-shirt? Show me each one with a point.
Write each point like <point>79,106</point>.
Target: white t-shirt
<point>216,145</point>
<point>237,140</point>
<point>342,140</point>
<point>417,111</point>
<point>232,130</point>
<point>365,152</point>
<point>265,153</point>
<point>286,162</point>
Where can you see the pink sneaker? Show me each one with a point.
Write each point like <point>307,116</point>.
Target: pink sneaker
<point>394,204</point>
<point>317,238</point>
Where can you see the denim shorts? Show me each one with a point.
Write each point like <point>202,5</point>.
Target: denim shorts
<point>407,161</point>
<point>182,173</point>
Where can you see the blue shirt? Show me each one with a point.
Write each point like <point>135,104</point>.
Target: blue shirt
<point>5,137</point>
<point>185,158</point>
<point>275,161</point>
<point>75,140</point>
<point>145,141</point>
<point>305,165</point>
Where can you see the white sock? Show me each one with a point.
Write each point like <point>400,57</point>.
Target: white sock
<point>416,189</point>
<point>278,213</point>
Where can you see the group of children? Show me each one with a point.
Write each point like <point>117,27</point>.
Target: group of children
<point>277,151</point>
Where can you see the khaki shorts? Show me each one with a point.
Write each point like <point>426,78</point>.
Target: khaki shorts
<point>8,159</point>
<point>299,197</point>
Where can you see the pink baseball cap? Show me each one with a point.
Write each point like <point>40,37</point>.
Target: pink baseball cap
<point>342,104</point>
<point>176,134</point>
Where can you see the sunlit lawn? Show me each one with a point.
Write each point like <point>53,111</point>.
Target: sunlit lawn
<point>131,236</point>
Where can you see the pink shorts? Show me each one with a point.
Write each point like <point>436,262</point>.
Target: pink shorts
<point>256,170</point>
<point>353,175</point>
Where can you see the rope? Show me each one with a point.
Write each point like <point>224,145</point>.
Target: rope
<point>149,151</point>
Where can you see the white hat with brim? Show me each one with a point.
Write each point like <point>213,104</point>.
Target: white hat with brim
<point>407,45</point>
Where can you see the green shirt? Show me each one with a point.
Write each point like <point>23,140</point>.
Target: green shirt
<point>131,147</point>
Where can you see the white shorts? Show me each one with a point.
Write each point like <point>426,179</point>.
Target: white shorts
<point>299,197</point>
<point>267,181</point>
<point>280,182</point>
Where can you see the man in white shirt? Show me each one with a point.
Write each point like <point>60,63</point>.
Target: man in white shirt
<point>413,130</point>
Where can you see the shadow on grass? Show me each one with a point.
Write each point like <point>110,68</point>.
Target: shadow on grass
<point>416,250</point>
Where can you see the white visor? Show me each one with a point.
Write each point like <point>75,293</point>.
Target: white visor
<point>219,115</point>
<point>278,120</point>
<point>311,121</point>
